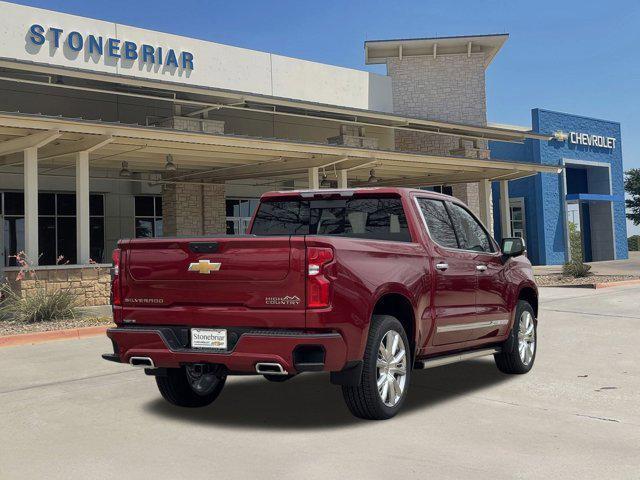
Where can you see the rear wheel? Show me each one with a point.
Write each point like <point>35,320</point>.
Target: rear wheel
<point>386,372</point>
<point>519,351</point>
<point>188,387</point>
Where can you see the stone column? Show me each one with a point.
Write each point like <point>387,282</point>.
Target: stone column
<point>469,194</point>
<point>214,209</point>
<point>449,88</point>
<point>193,209</point>
<point>182,209</point>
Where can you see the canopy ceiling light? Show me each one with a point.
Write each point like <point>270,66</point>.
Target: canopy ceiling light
<point>170,166</point>
<point>124,171</point>
<point>325,182</point>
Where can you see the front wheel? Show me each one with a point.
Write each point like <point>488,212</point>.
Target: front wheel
<point>386,372</point>
<point>519,351</point>
<point>188,387</point>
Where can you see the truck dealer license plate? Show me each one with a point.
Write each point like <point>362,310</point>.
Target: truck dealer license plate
<point>209,338</point>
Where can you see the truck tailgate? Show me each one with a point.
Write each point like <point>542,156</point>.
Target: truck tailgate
<point>226,281</point>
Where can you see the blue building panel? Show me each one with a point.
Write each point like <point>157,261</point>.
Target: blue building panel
<point>592,147</point>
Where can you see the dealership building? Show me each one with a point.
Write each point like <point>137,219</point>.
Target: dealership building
<point>108,131</point>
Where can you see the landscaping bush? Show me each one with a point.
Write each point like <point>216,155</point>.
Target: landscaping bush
<point>37,306</point>
<point>576,269</point>
<point>634,243</point>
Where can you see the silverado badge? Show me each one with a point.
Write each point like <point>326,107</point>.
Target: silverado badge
<point>204,266</point>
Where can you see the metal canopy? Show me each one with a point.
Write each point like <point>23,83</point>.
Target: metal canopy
<point>197,100</point>
<point>218,158</point>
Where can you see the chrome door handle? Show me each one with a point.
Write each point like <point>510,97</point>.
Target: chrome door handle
<point>442,266</point>
<point>481,268</point>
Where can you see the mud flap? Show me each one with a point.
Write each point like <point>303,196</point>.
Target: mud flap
<point>349,376</point>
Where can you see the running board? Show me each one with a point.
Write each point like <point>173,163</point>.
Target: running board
<point>458,357</point>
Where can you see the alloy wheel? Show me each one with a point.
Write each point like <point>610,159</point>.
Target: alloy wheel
<point>391,367</point>
<point>526,337</point>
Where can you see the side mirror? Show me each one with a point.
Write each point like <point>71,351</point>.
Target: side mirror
<point>513,247</point>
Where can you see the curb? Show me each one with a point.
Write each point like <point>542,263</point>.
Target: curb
<point>51,335</point>
<point>619,283</point>
<point>615,284</point>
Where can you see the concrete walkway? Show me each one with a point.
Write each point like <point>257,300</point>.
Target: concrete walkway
<point>67,414</point>
<point>612,267</point>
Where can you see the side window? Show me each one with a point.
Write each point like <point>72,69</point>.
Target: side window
<point>377,218</point>
<point>374,218</point>
<point>470,233</point>
<point>439,222</point>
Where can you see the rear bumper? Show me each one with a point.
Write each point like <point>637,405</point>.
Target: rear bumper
<point>328,351</point>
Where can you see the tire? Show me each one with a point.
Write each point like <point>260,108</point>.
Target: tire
<point>176,389</point>
<point>519,351</point>
<point>365,400</point>
<point>278,378</point>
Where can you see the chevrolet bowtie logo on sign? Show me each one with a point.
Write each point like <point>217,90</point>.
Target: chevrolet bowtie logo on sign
<point>204,266</point>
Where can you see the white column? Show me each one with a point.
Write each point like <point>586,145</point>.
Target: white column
<point>31,205</point>
<point>82,208</point>
<point>505,210</point>
<point>484,192</point>
<point>314,179</point>
<point>342,179</point>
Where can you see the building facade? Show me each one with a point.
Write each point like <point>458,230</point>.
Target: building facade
<point>109,131</point>
<point>583,206</point>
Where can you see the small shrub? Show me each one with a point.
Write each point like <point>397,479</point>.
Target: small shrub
<point>576,269</point>
<point>38,306</point>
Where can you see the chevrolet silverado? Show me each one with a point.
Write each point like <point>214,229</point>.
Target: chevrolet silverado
<point>369,284</point>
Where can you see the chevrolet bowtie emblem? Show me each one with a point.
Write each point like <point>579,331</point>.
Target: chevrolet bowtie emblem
<point>204,266</point>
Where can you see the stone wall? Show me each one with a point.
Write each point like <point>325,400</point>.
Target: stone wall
<point>91,284</point>
<point>193,209</point>
<point>449,88</point>
<point>214,209</point>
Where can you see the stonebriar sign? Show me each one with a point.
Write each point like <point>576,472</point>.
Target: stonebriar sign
<point>115,48</point>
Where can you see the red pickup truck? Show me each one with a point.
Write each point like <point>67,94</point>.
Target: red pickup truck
<point>368,284</point>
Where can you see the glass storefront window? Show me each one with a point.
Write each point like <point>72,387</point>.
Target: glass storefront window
<point>56,227</point>
<point>239,213</point>
<point>148,216</point>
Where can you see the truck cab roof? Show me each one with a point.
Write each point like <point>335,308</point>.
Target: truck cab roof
<point>350,192</point>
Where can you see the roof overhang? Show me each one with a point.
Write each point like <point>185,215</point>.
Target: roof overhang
<point>198,98</point>
<point>221,158</point>
<point>377,51</point>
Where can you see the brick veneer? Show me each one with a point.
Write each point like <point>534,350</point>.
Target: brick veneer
<point>193,209</point>
<point>91,284</point>
<point>449,88</point>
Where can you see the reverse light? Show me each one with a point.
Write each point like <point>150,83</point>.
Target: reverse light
<point>115,279</point>
<point>318,286</point>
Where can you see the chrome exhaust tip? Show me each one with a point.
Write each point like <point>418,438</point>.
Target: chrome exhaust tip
<point>270,369</point>
<point>144,362</point>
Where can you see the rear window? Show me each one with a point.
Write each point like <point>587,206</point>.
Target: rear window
<point>374,218</point>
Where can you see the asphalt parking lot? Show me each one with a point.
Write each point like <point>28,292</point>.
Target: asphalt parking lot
<point>65,413</point>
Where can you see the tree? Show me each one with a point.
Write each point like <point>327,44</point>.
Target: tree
<point>575,243</point>
<point>632,187</point>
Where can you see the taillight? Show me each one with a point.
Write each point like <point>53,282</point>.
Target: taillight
<point>318,286</point>
<point>115,279</point>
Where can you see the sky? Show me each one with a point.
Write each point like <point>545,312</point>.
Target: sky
<point>572,56</point>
